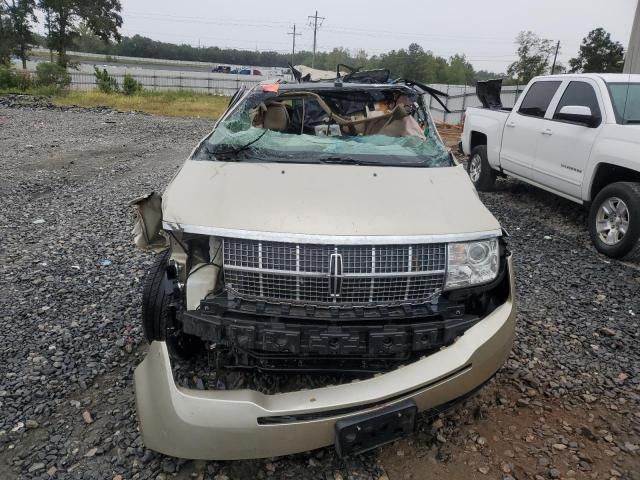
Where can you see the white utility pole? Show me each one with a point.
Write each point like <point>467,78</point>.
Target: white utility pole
<point>632,58</point>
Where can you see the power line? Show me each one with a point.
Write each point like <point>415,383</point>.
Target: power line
<point>216,21</point>
<point>350,31</point>
<point>315,34</point>
<point>293,50</point>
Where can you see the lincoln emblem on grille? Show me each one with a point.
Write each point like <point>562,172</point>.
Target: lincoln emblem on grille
<point>335,274</point>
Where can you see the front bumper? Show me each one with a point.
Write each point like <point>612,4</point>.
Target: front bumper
<point>238,424</point>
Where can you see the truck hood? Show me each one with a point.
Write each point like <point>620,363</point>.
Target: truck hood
<point>327,200</point>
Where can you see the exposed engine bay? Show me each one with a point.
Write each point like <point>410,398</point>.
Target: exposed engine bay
<point>265,327</point>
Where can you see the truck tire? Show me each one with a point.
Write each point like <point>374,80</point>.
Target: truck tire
<point>614,220</point>
<point>480,172</point>
<point>159,312</point>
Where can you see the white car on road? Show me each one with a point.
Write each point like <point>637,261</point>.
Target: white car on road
<point>577,136</point>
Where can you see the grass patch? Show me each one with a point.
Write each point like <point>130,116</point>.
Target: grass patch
<point>170,104</point>
<point>47,91</point>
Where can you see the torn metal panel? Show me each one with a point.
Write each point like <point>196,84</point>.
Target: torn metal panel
<point>203,277</point>
<point>147,229</point>
<point>488,93</point>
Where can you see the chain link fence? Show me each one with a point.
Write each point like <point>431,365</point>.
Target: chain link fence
<point>168,82</point>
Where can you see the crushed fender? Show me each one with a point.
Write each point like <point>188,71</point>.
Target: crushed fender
<point>147,229</point>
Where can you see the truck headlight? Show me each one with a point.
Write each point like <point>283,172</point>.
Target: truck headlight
<point>472,263</point>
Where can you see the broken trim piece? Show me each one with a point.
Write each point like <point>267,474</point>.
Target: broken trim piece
<point>331,239</point>
<point>147,229</point>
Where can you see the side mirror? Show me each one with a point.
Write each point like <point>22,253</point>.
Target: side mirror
<point>578,114</point>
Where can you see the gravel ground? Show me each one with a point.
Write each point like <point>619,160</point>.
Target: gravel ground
<point>566,404</point>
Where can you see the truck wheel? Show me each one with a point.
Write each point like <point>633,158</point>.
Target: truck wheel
<point>480,173</point>
<point>159,312</point>
<point>614,219</point>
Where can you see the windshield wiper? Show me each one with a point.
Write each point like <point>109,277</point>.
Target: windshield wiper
<point>354,161</point>
<point>233,151</point>
<point>633,121</point>
<point>346,161</point>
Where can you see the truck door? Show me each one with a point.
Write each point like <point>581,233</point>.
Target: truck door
<point>522,129</point>
<point>565,141</point>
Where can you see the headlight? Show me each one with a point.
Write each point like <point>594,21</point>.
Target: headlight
<point>472,263</point>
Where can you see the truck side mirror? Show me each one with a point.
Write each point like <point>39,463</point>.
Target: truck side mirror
<point>578,114</point>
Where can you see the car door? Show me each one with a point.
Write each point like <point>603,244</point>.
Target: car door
<point>522,129</point>
<point>564,145</point>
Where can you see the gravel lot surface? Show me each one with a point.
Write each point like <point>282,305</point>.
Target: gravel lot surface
<point>566,405</point>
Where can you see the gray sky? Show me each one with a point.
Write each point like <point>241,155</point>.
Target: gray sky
<point>484,30</point>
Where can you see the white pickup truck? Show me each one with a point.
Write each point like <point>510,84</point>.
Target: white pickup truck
<point>577,136</point>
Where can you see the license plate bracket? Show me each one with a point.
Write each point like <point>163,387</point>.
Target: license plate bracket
<point>364,432</point>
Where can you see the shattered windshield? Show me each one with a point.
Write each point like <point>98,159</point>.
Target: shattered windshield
<point>345,126</point>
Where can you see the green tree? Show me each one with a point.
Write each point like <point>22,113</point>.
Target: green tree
<point>105,82</point>
<point>7,37</point>
<point>52,75</point>
<point>533,57</point>
<point>598,54</point>
<point>86,41</point>
<point>22,14</point>
<point>101,17</point>
<point>460,71</point>
<point>130,86</point>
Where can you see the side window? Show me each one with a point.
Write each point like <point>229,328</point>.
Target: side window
<point>538,98</point>
<point>579,94</point>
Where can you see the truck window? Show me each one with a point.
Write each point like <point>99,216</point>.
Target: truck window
<point>580,94</point>
<point>538,98</point>
<point>626,101</point>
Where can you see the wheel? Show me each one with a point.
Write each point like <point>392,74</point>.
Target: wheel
<point>159,319</point>
<point>480,172</point>
<point>614,219</point>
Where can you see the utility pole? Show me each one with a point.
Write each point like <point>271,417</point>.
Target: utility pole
<point>313,21</point>
<point>632,57</point>
<point>553,67</point>
<point>293,50</point>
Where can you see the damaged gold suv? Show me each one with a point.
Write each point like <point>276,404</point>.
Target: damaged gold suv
<point>321,227</point>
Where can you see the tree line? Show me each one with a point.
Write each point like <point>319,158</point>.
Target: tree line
<point>92,26</point>
<point>413,62</point>
<point>598,53</point>
<point>64,21</point>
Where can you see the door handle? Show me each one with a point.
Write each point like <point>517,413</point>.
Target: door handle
<point>511,124</point>
<point>546,131</point>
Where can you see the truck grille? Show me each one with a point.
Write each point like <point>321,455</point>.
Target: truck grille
<point>333,275</point>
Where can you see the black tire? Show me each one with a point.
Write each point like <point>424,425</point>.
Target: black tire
<point>159,314</point>
<point>627,245</point>
<point>484,179</point>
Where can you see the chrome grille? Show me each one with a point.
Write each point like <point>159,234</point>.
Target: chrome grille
<point>372,275</point>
